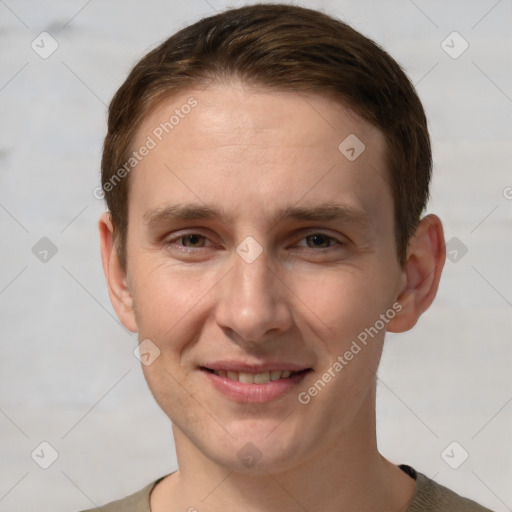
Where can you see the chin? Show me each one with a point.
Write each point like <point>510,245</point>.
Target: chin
<point>251,460</point>
<point>265,447</point>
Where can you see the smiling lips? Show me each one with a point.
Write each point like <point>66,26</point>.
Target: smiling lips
<point>254,378</point>
<point>250,383</point>
<point>253,373</point>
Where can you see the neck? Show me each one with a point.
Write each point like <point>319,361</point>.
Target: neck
<point>346,473</point>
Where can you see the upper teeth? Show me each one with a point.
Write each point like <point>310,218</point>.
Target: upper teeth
<point>254,378</point>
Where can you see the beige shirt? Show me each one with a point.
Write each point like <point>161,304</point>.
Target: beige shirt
<point>429,497</point>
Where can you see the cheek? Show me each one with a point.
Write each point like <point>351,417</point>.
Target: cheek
<point>173,393</point>
<point>165,299</point>
<point>349,304</point>
<point>345,301</point>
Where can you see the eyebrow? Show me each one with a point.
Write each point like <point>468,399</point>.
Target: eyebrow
<point>192,211</point>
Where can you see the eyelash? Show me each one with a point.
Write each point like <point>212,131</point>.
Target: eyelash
<point>181,237</point>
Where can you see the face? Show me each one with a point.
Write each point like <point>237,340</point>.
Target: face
<point>262,265</point>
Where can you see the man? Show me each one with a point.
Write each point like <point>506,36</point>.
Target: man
<point>265,171</point>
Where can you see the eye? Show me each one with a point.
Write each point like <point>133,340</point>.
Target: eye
<point>187,241</point>
<point>319,241</point>
<point>193,240</point>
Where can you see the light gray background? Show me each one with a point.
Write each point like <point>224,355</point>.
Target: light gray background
<point>67,372</point>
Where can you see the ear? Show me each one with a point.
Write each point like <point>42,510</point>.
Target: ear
<point>426,255</point>
<point>120,294</point>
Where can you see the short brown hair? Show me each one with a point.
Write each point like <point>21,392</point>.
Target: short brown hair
<point>283,48</point>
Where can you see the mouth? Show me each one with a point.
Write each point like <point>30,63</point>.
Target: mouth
<point>255,378</point>
<point>254,385</point>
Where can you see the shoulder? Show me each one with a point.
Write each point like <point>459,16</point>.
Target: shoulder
<point>434,497</point>
<point>136,502</point>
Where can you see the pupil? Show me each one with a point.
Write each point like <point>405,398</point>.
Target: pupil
<point>319,240</point>
<point>192,239</point>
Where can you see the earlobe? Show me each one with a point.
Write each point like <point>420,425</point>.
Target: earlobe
<point>425,260</point>
<point>115,275</point>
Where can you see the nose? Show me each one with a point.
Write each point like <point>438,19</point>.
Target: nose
<point>252,304</point>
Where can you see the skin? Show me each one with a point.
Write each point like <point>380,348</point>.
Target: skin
<point>304,300</point>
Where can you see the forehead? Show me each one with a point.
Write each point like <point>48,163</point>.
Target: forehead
<point>224,113</point>
<point>229,146</point>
